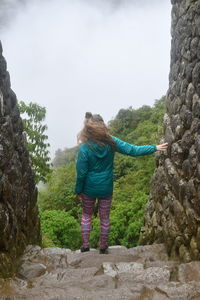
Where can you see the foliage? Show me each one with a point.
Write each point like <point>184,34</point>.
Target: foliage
<point>61,228</point>
<point>62,157</point>
<point>37,145</point>
<point>132,176</point>
<point>47,242</point>
<point>59,159</point>
<point>128,119</point>
<point>59,191</point>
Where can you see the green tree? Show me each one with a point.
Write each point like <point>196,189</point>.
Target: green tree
<point>62,157</point>
<point>37,145</point>
<point>58,193</point>
<point>59,159</point>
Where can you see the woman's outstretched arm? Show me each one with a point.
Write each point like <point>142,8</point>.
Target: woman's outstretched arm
<point>133,150</point>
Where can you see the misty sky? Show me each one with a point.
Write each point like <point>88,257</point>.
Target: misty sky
<point>73,56</point>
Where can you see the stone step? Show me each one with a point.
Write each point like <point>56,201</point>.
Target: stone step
<point>140,273</point>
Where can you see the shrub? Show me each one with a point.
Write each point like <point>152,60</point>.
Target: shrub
<point>61,228</point>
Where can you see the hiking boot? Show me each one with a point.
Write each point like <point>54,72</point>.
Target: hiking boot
<point>103,250</point>
<point>84,249</point>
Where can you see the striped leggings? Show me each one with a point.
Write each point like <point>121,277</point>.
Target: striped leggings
<point>104,212</point>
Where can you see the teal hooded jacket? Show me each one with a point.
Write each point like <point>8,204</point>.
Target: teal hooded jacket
<point>94,166</point>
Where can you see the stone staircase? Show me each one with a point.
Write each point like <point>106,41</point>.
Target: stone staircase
<point>140,273</point>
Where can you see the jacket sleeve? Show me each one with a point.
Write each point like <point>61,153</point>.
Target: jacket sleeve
<point>133,150</point>
<point>81,170</point>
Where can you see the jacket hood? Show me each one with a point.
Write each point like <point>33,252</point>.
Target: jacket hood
<point>99,150</point>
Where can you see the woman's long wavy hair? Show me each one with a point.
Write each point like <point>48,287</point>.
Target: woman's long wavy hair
<point>95,130</point>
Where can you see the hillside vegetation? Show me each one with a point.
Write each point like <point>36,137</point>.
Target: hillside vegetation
<point>60,211</point>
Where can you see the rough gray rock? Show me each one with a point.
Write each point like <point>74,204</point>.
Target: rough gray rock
<point>173,211</point>
<point>19,223</point>
<point>30,270</point>
<point>189,272</point>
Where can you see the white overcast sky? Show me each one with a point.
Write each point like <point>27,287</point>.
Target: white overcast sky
<point>73,56</point>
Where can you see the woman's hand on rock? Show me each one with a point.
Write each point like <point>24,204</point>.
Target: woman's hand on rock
<point>162,147</point>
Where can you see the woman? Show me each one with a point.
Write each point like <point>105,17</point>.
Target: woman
<point>95,174</point>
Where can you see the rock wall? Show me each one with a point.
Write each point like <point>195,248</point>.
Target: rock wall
<point>173,211</point>
<point>19,223</point>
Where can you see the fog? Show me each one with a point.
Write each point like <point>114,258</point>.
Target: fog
<point>75,56</point>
